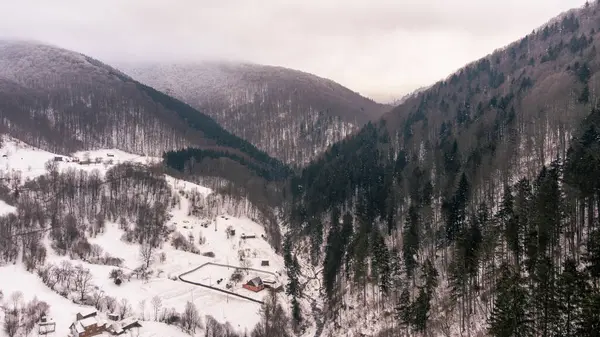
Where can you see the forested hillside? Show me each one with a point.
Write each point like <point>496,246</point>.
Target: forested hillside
<point>291,115</point>
<point>470,209</point>
<point>63,101</point>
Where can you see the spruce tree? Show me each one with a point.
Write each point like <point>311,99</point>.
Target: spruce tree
<point>410,244</point>
<point>572,292</point>
<point>510,316</point>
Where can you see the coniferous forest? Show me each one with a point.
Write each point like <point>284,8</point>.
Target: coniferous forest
<point>474,206</point>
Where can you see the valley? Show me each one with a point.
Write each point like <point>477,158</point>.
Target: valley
<point>230,198</point>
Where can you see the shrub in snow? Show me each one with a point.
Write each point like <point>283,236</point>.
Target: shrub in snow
<point>128,236</point>
<point>117,276</point>
<point>170,316</point>
<point>81,249</point>
<point>180,242</point>
<point>237,276</point>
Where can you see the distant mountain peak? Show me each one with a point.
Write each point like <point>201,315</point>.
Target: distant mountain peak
<point>290,114</point>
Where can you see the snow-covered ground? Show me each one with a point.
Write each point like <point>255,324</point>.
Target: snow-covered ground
<point>30,162</point>
<point>6,208</point>
<point>17,157</point>
<point>14,278</point>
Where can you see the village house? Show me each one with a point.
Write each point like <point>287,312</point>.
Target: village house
<point>46,325</point>
<point>87,325</point>
<point>255,284</point>
<point>272,283</point>
<point>121,327</point>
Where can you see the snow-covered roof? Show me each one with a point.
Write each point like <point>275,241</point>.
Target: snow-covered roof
<point>78,327</point>
<point>269,280</point>
<point>87,322</point>
<point>255,282</point>
<point>116,328</point>
<point>88,312</point>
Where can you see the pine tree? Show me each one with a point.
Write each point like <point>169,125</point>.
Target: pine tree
<point>510,316</point>
<point>589,326</point>
<point>572,291</point>
<point>403,309</point>
<point>420,310</point>
<point>410,244</point>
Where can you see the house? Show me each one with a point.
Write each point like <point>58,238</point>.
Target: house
<point>264,263</point>
<point>273,284</point>
<point>86,314</point>
<point>113,317</point>
<point>87,327</point>
<point>119,328</point>
<point>255,284</point>
<point>46,325</point>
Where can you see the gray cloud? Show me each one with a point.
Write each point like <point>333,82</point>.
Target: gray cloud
<point>380,48</point>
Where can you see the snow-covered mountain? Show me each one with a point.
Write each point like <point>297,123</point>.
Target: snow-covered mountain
<point>292,115</point>
<point>63,101</point>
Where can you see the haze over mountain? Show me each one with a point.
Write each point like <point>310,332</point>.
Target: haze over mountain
<point>289,114</point>
<point>470,209</point>
<point>64,101</point>
<point>379,48</point>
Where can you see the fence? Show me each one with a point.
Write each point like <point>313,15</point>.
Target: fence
<point>223,290</point>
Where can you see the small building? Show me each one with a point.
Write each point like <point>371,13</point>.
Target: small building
<point>120,328</point>
<point>113,317</point>
<point>255,284</point>
<point>58,158</point>
<point>110,155</point>
<point>46,325</point>
<point>86,314</point>
<point>87,327</point>
<point>244,236</point>
<point>264,263</point>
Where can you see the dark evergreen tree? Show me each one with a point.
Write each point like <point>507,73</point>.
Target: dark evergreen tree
<point>410,245</point>
<point>510,316</point>
<point>572,291</point>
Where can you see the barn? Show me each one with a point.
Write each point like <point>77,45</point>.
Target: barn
<point>255,284</point>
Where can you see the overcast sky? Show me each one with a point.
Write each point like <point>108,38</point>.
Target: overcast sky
<point>380,48</point>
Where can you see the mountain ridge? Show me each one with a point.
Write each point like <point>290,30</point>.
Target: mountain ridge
<point>428,214</point>
<point>65,101</point>
<point>273,107</point>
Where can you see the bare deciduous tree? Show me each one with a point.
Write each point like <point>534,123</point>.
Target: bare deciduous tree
<point>124,308</point>
<point>82,281</point>
<point>146,254</point>
<point>142,307</point>
<point>190,320</point>
<point>156,305</point>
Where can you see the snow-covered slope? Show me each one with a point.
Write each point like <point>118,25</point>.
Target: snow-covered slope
<point>28,162</point>
<point>210,235</point>
<point>15,279</point>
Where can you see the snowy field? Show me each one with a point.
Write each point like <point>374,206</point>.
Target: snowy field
<point>210,275</point>
<point>29,162</point>
<point>62,311</point>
